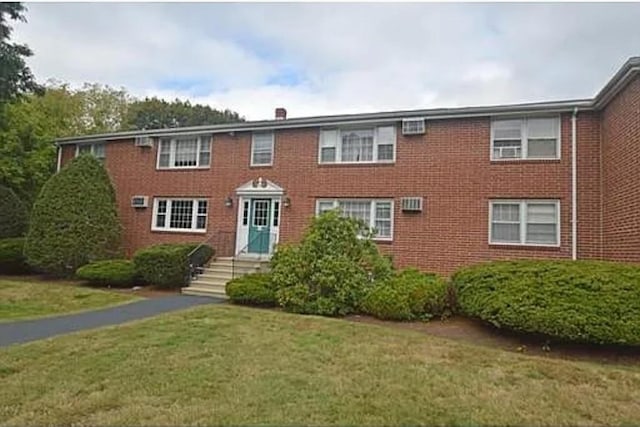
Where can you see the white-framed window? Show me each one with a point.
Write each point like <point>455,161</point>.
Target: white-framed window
<point>180,214</point>
<point>96,149</point>
<point>184,152</point>
<point>357,145</point>
<point>262,149</point>
<point>530,138</point>
<point>377,213</point>
<point>524,222</point>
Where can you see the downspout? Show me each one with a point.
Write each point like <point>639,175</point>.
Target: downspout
<point>574,188</point>
<point>59,158</point>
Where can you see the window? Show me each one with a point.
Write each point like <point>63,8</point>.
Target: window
<point>378,214</point>
<point>262,149</point>
<point>180,215</point>
<point>527,138</point>
<point>184,152</point>
<point>525,222</point>
<point>96,149</point>
<point>365,145</point>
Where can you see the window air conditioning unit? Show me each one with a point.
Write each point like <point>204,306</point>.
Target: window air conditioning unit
<point>140,201</point>
<point>413,126</point>
<point>412,204</point>
<point>144,141</point>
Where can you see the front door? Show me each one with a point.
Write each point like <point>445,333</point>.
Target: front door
<point>259,222</point>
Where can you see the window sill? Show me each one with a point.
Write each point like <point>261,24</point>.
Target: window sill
<point>197,168</point>
<point>521,246</point>
<point>260,166</point>
<point>356,164</point>
<point>168,231</point>
<point>520,161</point>
<point>382,241</point>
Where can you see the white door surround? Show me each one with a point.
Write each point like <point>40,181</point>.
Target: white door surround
<point>258,188</point>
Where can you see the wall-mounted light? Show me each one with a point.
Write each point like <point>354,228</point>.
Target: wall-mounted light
<point>228,202</point>
<point>286,202</point>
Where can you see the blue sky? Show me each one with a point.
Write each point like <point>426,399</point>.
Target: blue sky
<point>334,58</point>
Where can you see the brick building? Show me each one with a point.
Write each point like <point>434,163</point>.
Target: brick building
<point>442,187</point>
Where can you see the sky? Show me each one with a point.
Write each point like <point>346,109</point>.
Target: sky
<point>334,58</point>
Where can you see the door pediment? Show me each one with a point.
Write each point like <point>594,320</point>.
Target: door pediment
<point>260,187</point>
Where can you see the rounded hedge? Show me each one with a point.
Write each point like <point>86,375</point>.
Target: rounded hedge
<point>583,301</point>
<point>252,289</point>
<point>167,265</point>
<point>74,219</point>
<point>409,295</point>
<point>12,260</point>
<point>114,272</point>
<point>13,214</point>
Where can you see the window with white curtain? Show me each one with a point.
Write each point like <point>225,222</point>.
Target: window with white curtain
<point>262,149</point>
<point>377,213</point>
<point>525,138</point>
<point>189,215</point>
<point>96,149</point>
<point>525,222</point>
<point>357,145</point>
<point>184,152</point>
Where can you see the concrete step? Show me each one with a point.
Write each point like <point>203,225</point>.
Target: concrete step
<point>205,292</point>
<point>210,282</point>
<point>223,269</point>
<point>217,275</point>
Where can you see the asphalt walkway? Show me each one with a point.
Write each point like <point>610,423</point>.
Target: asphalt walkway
<point>37,329</point>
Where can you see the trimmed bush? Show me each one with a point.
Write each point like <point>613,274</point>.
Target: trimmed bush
<point>12,260</point>
<point>409,295</point>
<point>167,265</point>
<point>584,301</point>
<point>74,219</point>
<point>13,214</point>
<point>252,289</point>
<point>331,270</point>
<point>112,272</point>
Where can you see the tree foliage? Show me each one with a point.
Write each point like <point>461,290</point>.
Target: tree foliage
<point>13,214</point>
<point>154,113</point>
<point>74,219</point>
<point>15,77</point>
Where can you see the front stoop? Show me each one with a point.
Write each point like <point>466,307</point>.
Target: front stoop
<point>213,280</point>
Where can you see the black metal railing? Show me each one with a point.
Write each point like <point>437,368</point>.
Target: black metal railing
<point>259,239</point>
<point>222,243</point>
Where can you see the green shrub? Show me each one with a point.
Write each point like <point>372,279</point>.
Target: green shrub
<point>585,301</point>
<point>13,214</point>
<point>12,260</point>
<point>409,295</point>
<point>112,272</point>
<point>252,289</point>
<point>167,265</point>
<point>74,219</point>
<point>331,270</point>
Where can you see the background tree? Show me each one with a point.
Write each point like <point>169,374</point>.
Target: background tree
<point>15,77</point>
<point>74,219</point>
<point>13,215</point>
<point>154,113</point>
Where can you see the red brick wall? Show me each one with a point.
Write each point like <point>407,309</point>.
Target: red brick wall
<point>621,175</point>
<point>449,166</point>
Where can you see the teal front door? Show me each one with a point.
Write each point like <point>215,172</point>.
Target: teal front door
<point>259,222</point>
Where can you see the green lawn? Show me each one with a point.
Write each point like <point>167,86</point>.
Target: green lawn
<point>27,298</point>
<point>234,365</point>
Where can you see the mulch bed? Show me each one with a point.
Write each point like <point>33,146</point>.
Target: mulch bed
<point>476,332</point>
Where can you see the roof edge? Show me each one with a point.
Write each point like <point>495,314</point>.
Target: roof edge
<point>619,80</point>
<point>334,120</point>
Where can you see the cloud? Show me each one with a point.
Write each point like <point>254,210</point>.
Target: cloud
<point>334,58</point>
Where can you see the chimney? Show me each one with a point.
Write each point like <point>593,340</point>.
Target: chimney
<point>281,113</point>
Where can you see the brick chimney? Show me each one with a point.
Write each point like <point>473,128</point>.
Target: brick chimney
<point>281,113</point>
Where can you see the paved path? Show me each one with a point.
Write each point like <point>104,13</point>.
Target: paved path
<point>31,330</point>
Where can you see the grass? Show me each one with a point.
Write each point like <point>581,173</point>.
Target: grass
<point>234,365</point>
<point>28,298</point>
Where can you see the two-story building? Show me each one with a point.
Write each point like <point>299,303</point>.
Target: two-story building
<point>441,187</point>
